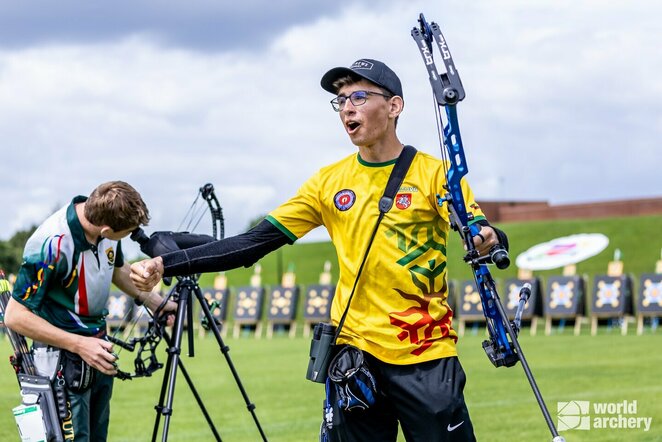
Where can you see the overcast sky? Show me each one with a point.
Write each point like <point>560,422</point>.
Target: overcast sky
<point>564,98</point>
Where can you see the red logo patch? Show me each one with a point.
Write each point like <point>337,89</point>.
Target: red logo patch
<point>403,200</point>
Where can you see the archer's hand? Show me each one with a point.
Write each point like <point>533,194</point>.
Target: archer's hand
<point>169,310</point>
<point>485,240</point>
<point>146,274</point>
<point>98,353</point>
<point>154,301</point>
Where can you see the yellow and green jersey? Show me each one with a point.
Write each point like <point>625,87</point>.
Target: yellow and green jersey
<point>399,312</point>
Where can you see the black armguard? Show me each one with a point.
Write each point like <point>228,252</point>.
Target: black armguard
<point>241,250</point>
<point>503,238</point>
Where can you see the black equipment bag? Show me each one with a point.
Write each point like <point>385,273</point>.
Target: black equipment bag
<point>78,375</point>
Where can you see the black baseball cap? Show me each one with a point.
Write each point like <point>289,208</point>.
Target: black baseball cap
<point>371,70</point>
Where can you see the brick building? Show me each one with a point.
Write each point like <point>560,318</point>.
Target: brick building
<point>512,211</point>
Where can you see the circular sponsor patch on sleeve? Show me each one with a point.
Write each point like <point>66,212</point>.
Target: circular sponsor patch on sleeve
<point>344,199</point>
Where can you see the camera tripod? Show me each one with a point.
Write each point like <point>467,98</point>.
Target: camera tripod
<point>183,293</point>
<point>186,288</point>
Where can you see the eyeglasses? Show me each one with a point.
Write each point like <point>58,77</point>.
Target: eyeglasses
<point>357,98</point>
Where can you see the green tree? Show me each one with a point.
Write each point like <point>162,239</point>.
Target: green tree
<point>11,251</point>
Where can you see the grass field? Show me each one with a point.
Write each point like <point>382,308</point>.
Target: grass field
<point>603,368</point>
<point>607,368</point>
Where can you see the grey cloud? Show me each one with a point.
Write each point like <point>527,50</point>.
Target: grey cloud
<point>202,25</point>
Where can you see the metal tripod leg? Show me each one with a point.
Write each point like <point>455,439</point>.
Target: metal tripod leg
<point>226,353</point>
<point>174,361</point>
<point>184,288</point>
<point>174,349</point>
<point>198,399</point>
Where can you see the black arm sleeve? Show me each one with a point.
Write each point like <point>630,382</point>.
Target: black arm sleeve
<point>503,239</point>
<point>241,250</point>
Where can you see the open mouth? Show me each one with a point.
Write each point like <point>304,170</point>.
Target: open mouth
<point>352,126</point>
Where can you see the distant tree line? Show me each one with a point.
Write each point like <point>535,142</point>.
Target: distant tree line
<point>11,251</point>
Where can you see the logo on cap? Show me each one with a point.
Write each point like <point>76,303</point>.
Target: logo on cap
<point>344,199</point>
<point>361,64</point>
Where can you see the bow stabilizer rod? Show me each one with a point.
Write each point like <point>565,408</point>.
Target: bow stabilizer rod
<point>448,91</point>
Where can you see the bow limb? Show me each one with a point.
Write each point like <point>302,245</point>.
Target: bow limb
<point>215,209</point>
<point>195,215</point>
<point>448,91</point>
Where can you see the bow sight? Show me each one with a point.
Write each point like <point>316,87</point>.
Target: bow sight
<point>448,91</point>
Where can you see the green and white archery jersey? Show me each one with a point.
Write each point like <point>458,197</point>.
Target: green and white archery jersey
<point>65,279</point>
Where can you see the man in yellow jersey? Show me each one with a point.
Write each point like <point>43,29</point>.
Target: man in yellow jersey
<point>399,316</point>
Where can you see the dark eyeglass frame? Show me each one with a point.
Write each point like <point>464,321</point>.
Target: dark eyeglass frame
<point>357,98</point>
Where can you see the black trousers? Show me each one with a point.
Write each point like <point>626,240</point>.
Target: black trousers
<point>426,399</point>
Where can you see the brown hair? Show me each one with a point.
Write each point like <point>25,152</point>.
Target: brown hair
<point>117,205</point>
<point>349,80</point>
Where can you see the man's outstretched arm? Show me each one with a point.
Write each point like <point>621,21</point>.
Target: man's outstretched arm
<point>226,254</point>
